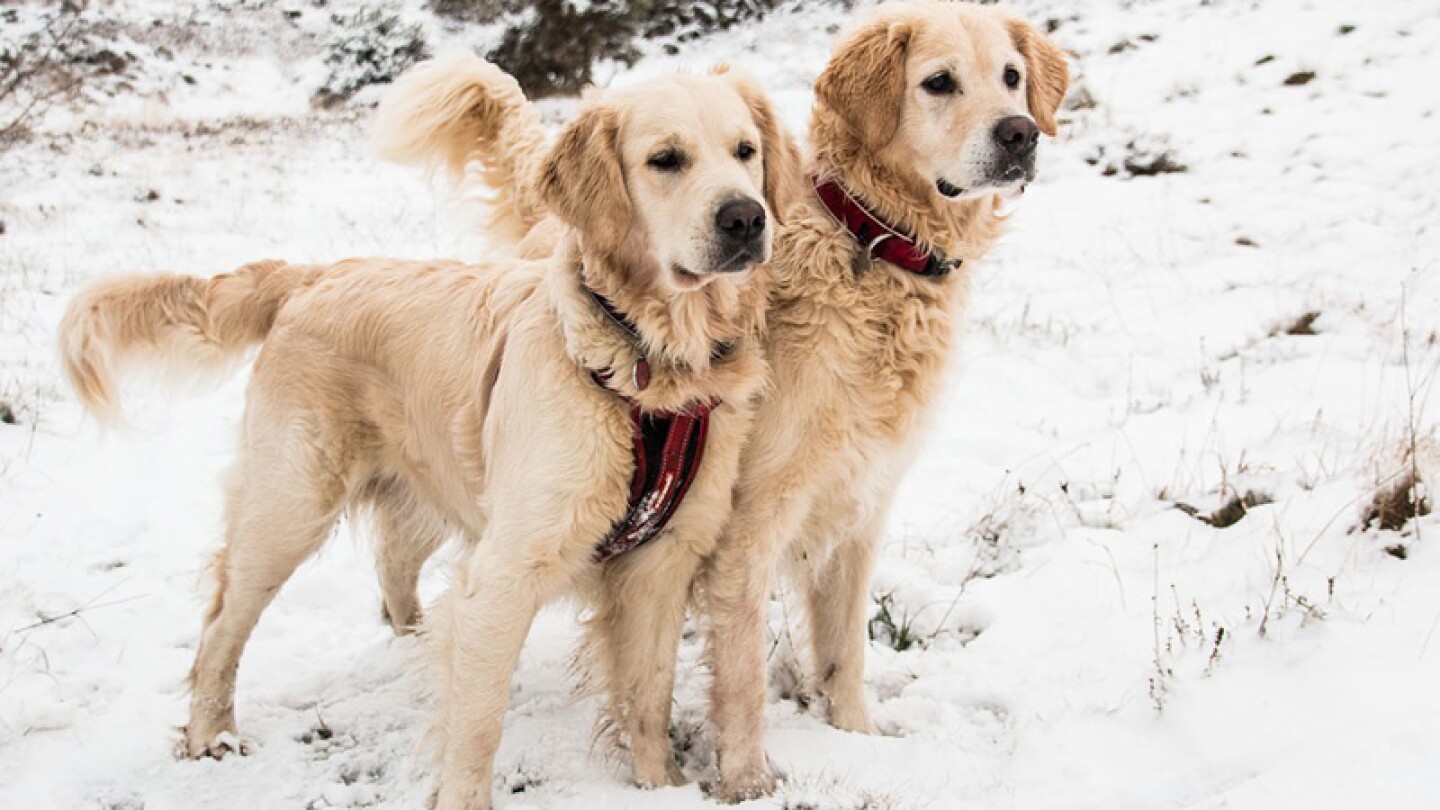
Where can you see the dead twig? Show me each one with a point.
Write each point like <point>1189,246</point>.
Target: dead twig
<point>37,70</point>
<point>88,607</point>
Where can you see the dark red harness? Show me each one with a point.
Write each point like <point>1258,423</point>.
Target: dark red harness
<point>668,447</point>
<point>877,239</point>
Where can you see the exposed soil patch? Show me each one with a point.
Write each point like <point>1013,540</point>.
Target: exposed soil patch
<point>1230,512</point>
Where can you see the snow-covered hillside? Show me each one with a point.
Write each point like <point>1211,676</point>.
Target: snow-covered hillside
<point>1220,305</point>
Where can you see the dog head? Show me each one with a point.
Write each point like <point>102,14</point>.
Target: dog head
<point>954,93</point>
<point>680,179</point>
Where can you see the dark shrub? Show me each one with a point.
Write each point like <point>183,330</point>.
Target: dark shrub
<point>370,47</point>
<point>552,46</point>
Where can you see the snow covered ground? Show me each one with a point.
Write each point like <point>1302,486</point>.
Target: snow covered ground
<point>1057,632</point>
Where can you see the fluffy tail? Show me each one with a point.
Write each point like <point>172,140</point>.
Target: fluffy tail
<point>450,111</point>
<point>190,324</point>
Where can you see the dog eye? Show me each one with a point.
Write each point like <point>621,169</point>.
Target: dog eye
<point>669,160</point>
<point>745,151</point>
<point>1012,77</point>
<point>941,84</point>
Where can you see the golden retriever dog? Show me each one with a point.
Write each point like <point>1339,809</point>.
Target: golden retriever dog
<point>498,401</point>
<point>926,119</point>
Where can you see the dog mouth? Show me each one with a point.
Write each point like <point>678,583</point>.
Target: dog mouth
<point>1001,178</point>
<point>687,279</point>
<point>736,262</point>
<point>1015,174</point>
<point>739,261</point>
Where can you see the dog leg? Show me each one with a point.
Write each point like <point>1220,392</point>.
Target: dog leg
<point>272,526</point>
<point>488,613</point>
<point>642,616</point>
<point>737,590</point>
<point>406,536</point>
<point>837,595</point>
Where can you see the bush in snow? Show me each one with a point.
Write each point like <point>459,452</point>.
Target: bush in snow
<point>686,21</point>
<point>478,11</point>
<point>551,49</point>
<point>54,54</point>
<point>551,46</point>
<point>371,47</point>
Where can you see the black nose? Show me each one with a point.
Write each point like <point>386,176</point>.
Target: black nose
<point>1017,135</point>
<point>741,221</point>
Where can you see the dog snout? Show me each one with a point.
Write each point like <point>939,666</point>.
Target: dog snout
<point>741,221</point>
<point>1017,135</point>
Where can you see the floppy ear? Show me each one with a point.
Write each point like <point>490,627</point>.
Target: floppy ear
<point>582,182</point>
<point>1048,72</point>
<point>784,178</point>
<point>865,81</point>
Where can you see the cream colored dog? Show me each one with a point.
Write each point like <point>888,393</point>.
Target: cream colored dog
<point>493,401</point>
<point>927,116</point>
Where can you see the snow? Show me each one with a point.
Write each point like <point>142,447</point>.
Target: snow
<point>1129,350</point>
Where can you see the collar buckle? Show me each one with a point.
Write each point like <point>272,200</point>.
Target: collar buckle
<point>865,259</point>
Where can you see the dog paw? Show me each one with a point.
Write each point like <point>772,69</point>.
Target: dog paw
<point>667,775</point>
<point>742,787</point>
<point>855,719</point>
<point>404,626</point>
<point>210,746</point>
<point>443,799</point>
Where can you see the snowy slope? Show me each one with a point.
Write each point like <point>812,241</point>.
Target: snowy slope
<point>1075,640</point>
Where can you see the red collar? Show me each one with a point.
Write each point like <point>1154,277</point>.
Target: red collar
<point>640,374</point>
<point>877,239</point>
